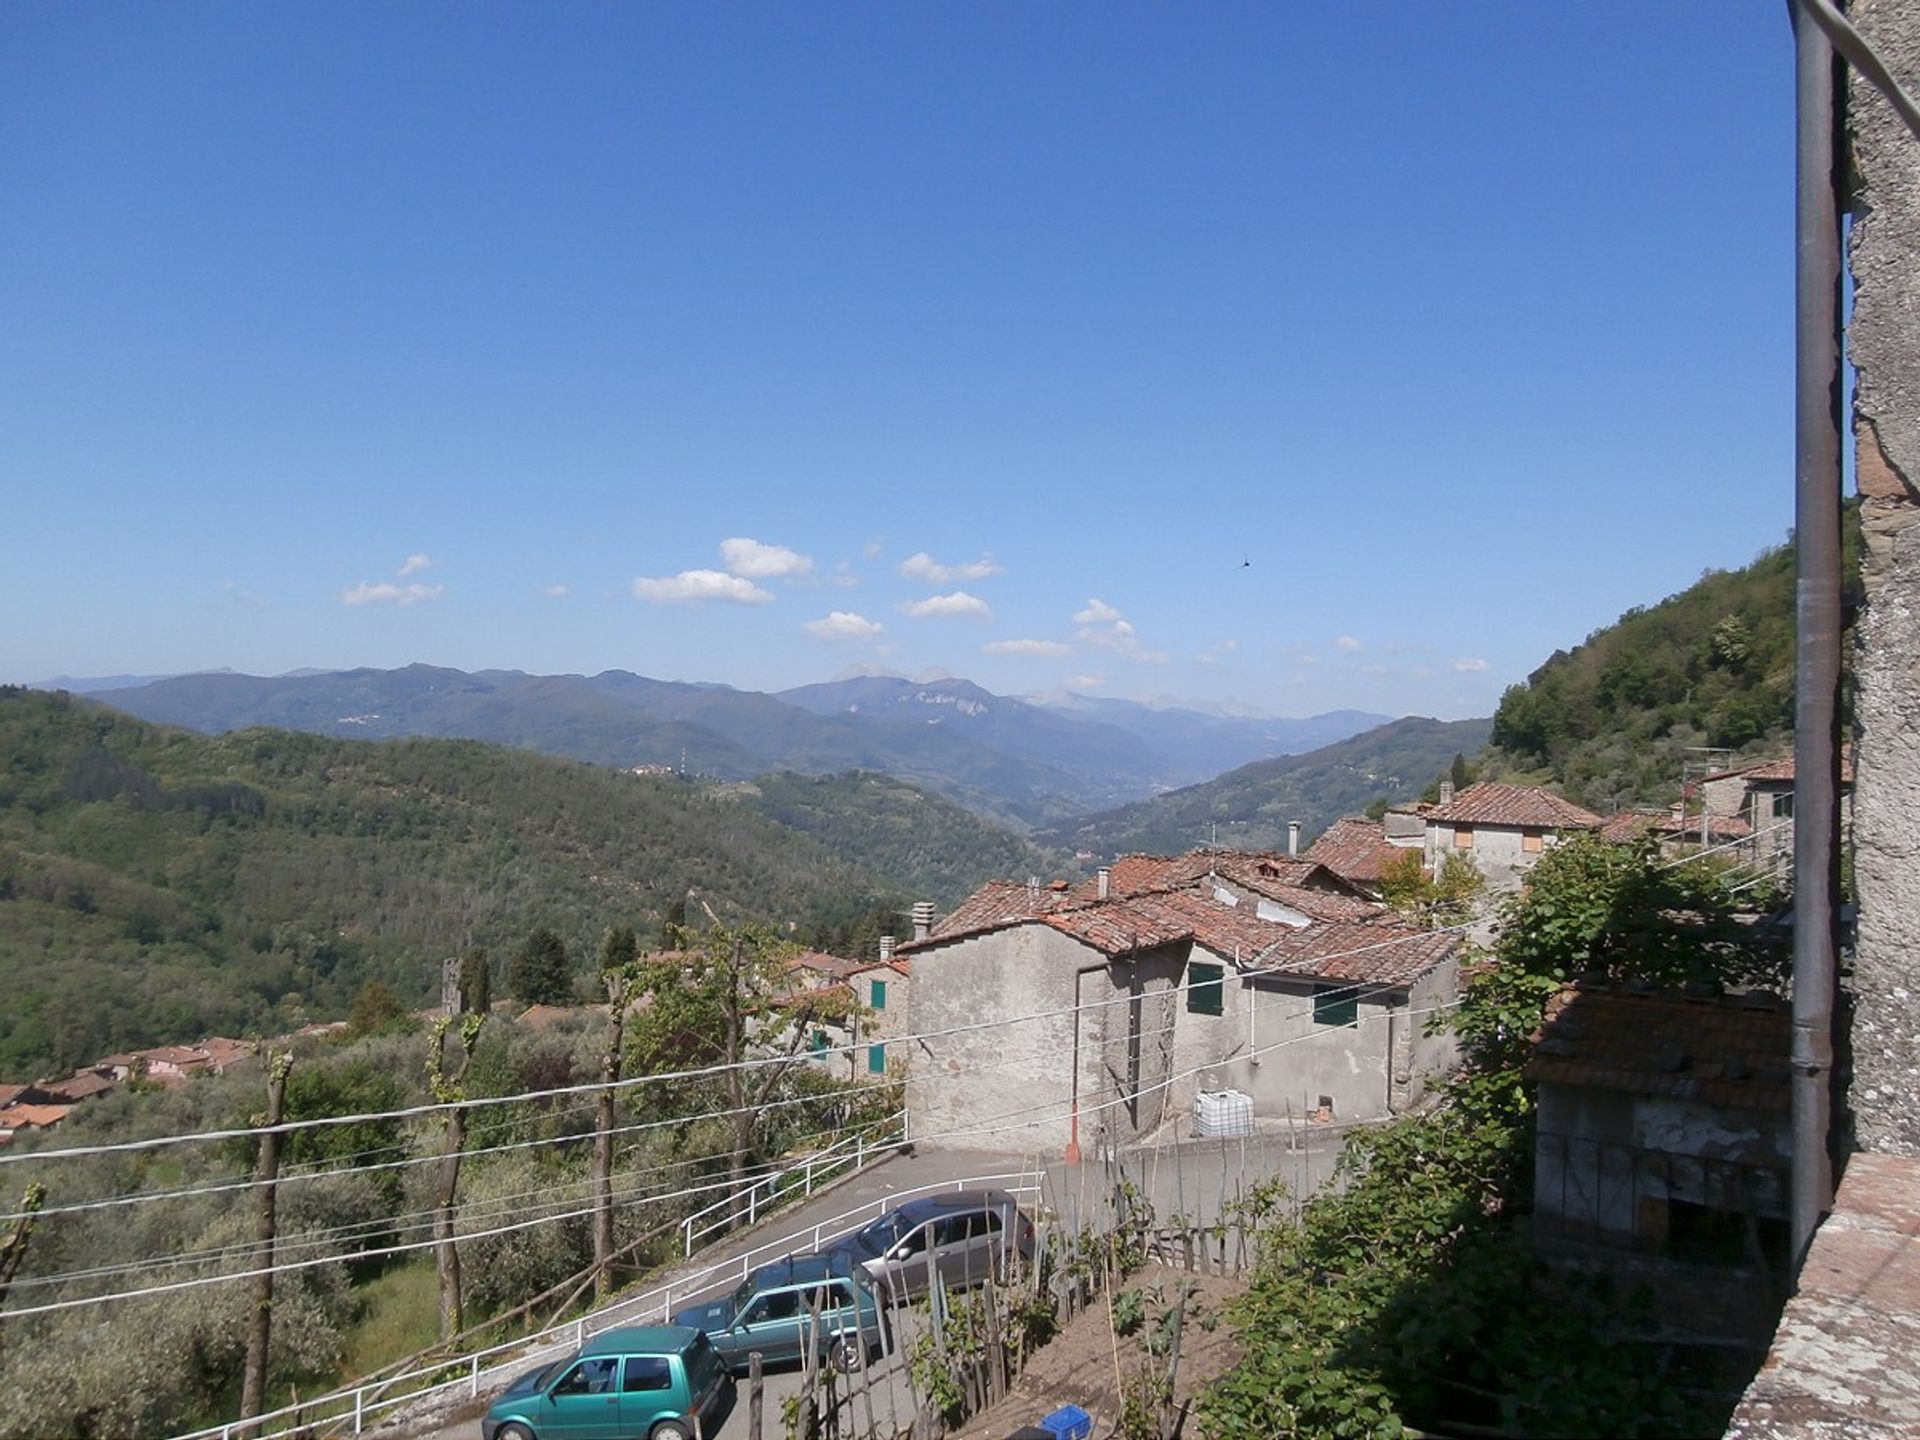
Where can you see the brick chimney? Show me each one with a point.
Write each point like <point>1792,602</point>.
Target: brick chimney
<point>922,919</point>
<point>1293,837</point>
<point>1103,878</point>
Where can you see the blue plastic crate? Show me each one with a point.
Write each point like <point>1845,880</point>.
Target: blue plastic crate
<point>1069,1422</point>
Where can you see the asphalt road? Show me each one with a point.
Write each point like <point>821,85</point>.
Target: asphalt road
<point>1192,1177</point>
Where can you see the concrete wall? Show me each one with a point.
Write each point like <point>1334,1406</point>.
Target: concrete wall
<point>1500,851</point>
<point>1009,1087</point>
<point>1884,343</point>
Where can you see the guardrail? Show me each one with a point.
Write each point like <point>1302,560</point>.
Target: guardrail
<point>353,1410</point>
<point>817,1166</point>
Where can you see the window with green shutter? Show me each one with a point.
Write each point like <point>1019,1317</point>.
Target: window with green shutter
<point>1339,1005</point>
<point>819,1040</point>
<point>1206,991</point>
<point>879,994</point>
<point>876,1059</point>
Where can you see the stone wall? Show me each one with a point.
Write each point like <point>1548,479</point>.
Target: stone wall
<point>1884,344</point>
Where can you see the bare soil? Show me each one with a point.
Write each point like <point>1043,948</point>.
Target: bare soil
<point>1087,1365</point>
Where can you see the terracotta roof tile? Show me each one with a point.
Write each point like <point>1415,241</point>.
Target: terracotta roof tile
<point>81,1086</point>
<point>32,1117</point>
<point>1528,806</point>
<point>1380,954</point>
<point>1728,1050</point>
<point>1780,771</point>
<point>1356,848</point>
<point>996,904</point>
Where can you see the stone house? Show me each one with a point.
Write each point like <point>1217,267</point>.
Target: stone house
<point>1761,797</point>
<point>1054,1019</point>
<point>1663,1146</point>
<point>1503,829</point>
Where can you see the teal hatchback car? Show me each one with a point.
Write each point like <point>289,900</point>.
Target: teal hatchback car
<point>642,1382</point>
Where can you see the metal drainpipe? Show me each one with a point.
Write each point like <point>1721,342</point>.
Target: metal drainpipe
<point>1817,618</point>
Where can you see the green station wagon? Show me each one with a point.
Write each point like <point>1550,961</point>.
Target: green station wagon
<point>775,1309</point>
<point>642,1382</point>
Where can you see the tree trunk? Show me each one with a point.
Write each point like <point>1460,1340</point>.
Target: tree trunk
<point>253,1384</point>
<point>448,1252</point>
<point>603,1144</point>
<point>736,1087</point>
<point>13,1250</point>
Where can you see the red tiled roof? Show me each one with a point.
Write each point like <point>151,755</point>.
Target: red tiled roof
<point>1356,848</point>
<point>1726,1050</point>
<point>996,904</point>
<point>11,1093</point>
<point>83,1085</point>
<point>1378,954</point>
<point>32,1117</point>
<point>1526,806</point>
<point>1774,772</point>
<point>224,1052</point>
<point>1630,825</point>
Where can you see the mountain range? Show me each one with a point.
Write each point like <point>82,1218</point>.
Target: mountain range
<point>1026,763</point>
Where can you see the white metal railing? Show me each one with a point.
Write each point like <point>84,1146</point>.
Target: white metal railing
<point>355,1408</point>
<point>781,1183</point>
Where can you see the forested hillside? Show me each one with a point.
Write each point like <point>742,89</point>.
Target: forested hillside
<point>1612,721</point>
<point>1249,808</point>
<point>157,885</point>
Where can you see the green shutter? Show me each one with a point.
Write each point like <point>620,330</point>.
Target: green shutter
<point>819,1040</point>
<point>1206,992</point>
<point>1337,1006</point>
<point>876,1059</point>
<point>879,994</point>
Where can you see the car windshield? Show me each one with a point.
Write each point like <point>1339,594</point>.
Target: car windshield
<point>533,1379</point>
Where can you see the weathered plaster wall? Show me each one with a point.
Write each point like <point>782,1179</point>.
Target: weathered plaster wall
<point>1499,851</point>
<point>1009,1087</point>
<point>1884,343</point>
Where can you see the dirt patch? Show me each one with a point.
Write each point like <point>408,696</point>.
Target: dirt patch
<point>1087,1365</point>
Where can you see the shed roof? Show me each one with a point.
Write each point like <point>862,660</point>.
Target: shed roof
<point>1724,1050</point>
<point>1356,848</point>
<point>1374,954</point>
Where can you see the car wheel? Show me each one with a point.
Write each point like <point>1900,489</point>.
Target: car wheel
<point>671,1430</point>
<point>847,1354</point>
<point>513,1431</point>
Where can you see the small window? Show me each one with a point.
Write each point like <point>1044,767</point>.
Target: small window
<point>916,1242</point>
<point>1339,1005</point>
<point>876,1059</point>
<point>819,1041</point>
<point>1206,994</point>
<point>951,1230</point>
<point>1531,841</point>
<point>1783,806</point>
<point>879,994</point>
<point>648,1372</point>
<point>1463,839</point>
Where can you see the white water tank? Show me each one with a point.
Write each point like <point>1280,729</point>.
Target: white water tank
<point>1222,1114</point>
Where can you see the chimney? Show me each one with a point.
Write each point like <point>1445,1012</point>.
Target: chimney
<point>1293,837</point>
<point>886,948</point>
<point>1446,792</point>
<point>1103,877</point>
<point>922,919</point>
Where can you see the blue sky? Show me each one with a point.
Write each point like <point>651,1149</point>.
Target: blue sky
<point>995,338</point>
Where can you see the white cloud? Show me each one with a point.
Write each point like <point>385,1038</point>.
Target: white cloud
<point>242,598</point>
<point>958,603</point>
<point>844,625</point>
<point>413,565</point>
<point>873,549</point>
<point>1027,647</point>
<point>1348,643</point>
<point>1469,667</point>
<point>556,592</point>
<point>924,567</point>
<point>1105,628</point>
<point>700,585</point>
<point>384,592</point>
<point>1085,682</point>
<point>756,561</point>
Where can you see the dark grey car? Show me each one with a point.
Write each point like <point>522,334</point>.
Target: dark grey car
<point>964,1237</point>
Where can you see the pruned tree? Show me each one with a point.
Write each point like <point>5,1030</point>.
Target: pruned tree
<point>476,981</point>
<point>253,1384</point>
<point>619,954</point>
<point>449,1089</point>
